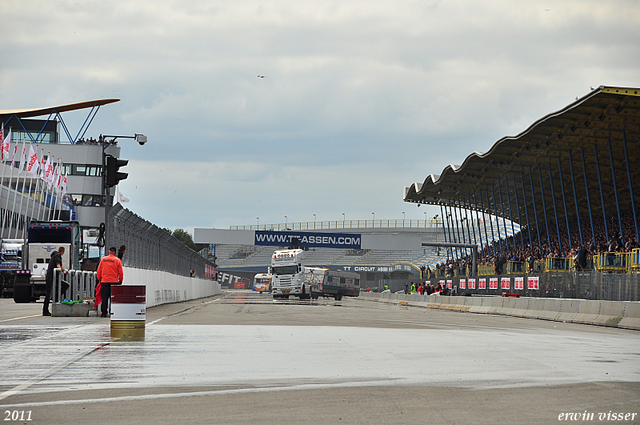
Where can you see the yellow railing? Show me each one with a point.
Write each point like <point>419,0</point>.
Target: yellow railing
<point>486,270</point>
<point>517,267</point>
<point>558,264</point>
<point>635,260</point>
<point>344,224</point>
<point>617,262</point>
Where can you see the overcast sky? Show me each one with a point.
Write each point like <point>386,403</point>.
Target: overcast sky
<point>359,99</point>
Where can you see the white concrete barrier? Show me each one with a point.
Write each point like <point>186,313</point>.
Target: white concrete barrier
<point>588,311</point>
<point>568,310</point>
<point>163,287</point>
<point>631,319</point>
<point>521,307</point>
<point>611,313</point>
<point>623,314</point>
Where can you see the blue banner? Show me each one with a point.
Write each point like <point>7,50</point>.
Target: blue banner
<point>309,239</point>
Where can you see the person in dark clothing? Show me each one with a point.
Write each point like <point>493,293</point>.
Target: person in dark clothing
<point>121,251</point>
<point>581,257</point>
<point>55,262</point>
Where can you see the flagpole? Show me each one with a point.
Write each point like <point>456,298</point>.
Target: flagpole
<point>15,196</point>
<point>50,187</point>
<point>27,198</point>
<point>2,217</point>
<point>30,200</point>
<point>57,184</point>
<point>9,214</point>
<point>41,177</point>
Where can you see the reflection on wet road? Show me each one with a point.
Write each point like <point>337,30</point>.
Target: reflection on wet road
<point>76,357</point>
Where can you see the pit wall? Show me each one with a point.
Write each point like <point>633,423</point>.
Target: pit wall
<point>164,288</point>
<point>620,314</point>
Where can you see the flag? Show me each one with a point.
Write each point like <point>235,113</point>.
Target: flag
<point>63,184</point>
<point>43,167</point>
<point>23,158</point>
<point>98,296</point>
<point>15,151</point>
<point>121,197</point>
<point>32,164</point>
<point>5,146</point>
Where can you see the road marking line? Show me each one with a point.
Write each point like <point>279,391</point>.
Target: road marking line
<point>18,318</point>
<point>66,402</point>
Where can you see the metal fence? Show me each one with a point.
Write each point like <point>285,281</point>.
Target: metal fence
<point>593,285</point>
<point>150,247</point>
<point>73,285</point>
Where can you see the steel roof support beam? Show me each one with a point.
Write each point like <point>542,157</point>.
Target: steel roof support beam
<point>526,208</point>
<point>575,197</point>
<point>457,224</point>
<point>504,222</point>
<point>555,210</point>
<point>444,226</point>
<point>535,209</point>
<point>604,213</point>
<point>564,202</point>
<point>513,228</point>
<point>544,207</point>
<point>633,205</point>
<point>615,190</point>
<point>586,188</point>
<point>515,195</point>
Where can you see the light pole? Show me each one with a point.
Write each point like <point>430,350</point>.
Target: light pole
<point>258,222</point>
<point>373,223</point>
<point>142,140</point>
<point>286,227</point>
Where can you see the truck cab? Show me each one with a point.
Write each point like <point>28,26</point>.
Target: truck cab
<point>288,273</point>
<point>44,237</point>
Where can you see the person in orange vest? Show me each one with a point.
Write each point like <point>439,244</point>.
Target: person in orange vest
<point>109,273</point>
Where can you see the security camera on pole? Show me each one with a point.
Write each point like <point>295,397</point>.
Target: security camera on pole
<point>111,174</point>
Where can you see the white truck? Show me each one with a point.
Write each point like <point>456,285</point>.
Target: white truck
<point>288,274</point>
<point>291,277</point>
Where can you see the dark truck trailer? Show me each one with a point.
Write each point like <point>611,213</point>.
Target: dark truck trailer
<point>44,237</point>
<point>331,283</point>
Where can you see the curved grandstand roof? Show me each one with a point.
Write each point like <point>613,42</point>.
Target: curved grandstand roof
<point>38,112</point>
<point>559,149</point>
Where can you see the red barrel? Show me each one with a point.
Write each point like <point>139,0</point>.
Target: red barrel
<point>128,294</point>
<point>128,311</point>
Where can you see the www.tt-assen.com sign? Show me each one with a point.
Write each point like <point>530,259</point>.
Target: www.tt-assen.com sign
<point>309,239</point>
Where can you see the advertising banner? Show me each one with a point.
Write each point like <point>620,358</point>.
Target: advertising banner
<point>505,283</point>
<point>518,283</point>
<point>493,283</point>
<point>308,239</point>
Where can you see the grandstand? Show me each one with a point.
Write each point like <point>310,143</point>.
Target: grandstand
<point>570,181</point>
<point>532,204</point>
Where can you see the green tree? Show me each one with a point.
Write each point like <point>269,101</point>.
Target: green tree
<point>184,237</point>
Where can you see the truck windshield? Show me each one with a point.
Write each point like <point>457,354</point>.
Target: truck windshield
<point>48,234</point>
<point>277,270</point>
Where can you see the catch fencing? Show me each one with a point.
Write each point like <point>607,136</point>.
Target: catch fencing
<point>150,247</point>
<point>592,285</point>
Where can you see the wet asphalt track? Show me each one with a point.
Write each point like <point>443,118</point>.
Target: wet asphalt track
<point>244,358</point>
